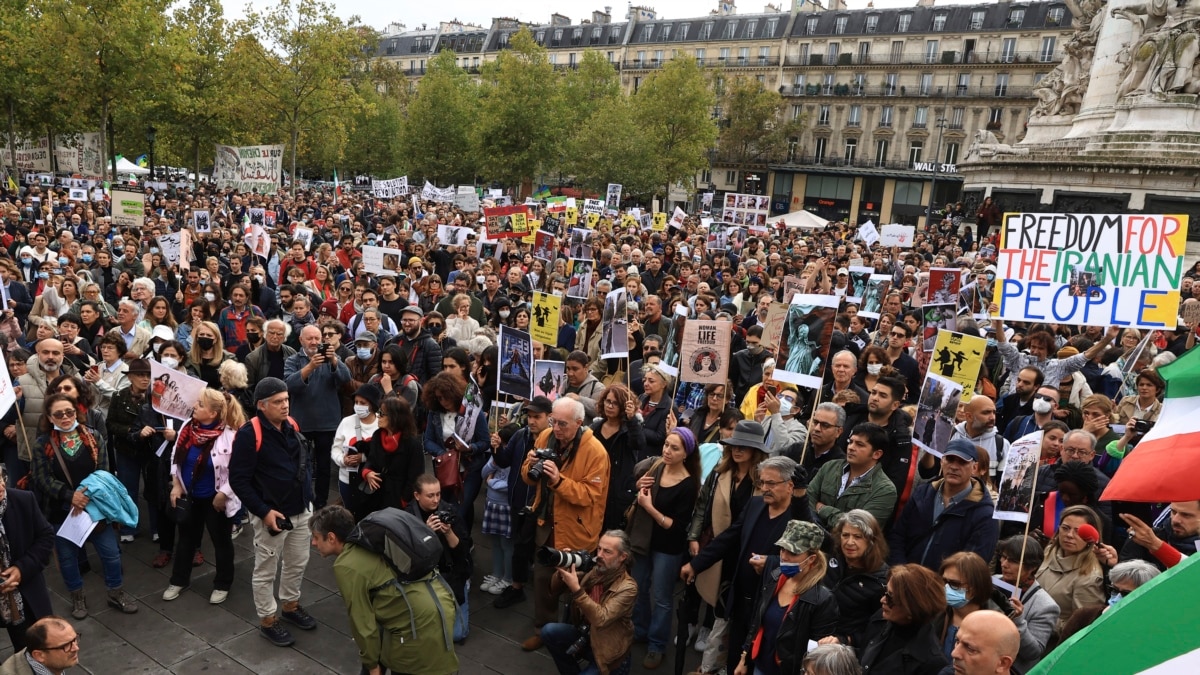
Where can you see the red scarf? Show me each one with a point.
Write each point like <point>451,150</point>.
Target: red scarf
<point>85,435</point>
<point>194,434</point>
<point>389,441</point>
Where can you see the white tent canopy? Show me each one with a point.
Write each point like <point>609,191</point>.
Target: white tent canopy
<point>803,219</point>
<point>126,167</point>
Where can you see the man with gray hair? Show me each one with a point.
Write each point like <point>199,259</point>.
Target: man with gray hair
<point>137,339</point>
<point>268,358</point>
<point>1126,577</point>
<point>752,537</point>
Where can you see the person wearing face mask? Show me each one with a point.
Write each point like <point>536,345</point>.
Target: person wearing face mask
<point>350,441</point>
<point>364,364</point>
<point>745,367</point>
<point>47,363</point>
<point>780,418</point>
<point>793,608</point>
<point>1045,402</point>
<point>968,585</point>
<point>1039,345</point>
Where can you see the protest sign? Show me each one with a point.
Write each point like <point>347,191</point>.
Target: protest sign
<point>860,279</point>
<point>516,363</point>
<point>706,199</point>
<point>79,154</point>
<point>571,216</point>
<point>77,194</point>
<point>169,246</point>
<point>612,200</point>
<point>935,318</point>
<point>173,393</point>
<point>773,326</point>
<point>593,206</point>
<point>544,318</point>
<point>804,344</point>
<point>304,235</point>
<point>452,235</point>
<point>705,355</point>
<point>466,198</point>
<point>659,223</point>
<point>936,412</point>
<point>8,395</point>
<point>552,224</point>
<point>543,246</point>
<point>256,239</point>
<point>579,243</point>
<point>579,280</point>
<point>868,233</point>
<point>746,209</point>
<point>672,345</point>
<point>958,357</point>
<point>944,286</point>
<point>381,261</point>
<point>791,286</point>
<point>677,218</point>
<point>507,221</point>
<point>1190,313</point>
<point>548,378</point>
<point>472,406</point>
<point>1091,269</point>
<point>872,301</point>
<point>1021,464</point>
<point>489,249</point>
<point>900,236</point>
<point>391,188</point>
<point>432,193</point>
<point>128,207</point>
<point>718,237</point>
<point>614,325</point>
<point>252,168</point>
<point>258,216</point>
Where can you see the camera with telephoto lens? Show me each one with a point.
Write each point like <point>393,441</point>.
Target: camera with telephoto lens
<point>581,643</point>
<point>582,561</point>
<point>538,469</point>
<point>447,516</point>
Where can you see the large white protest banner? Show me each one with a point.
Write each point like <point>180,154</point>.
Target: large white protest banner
<point>388,189</point>
<point>79,154</point>
<point>433,193</point>
<point>1091,269</point>
<point>32,154</point>
<point>251,168</point>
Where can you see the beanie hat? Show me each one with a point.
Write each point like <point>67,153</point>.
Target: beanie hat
<point>268,387</point>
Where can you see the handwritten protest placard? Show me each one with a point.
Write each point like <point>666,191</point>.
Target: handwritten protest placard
<point>1091,269</point>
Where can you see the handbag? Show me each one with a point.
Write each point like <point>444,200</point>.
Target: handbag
<point>182,511</point>
<point>446,468</point>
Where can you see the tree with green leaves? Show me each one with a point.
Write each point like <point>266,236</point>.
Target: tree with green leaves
<point>437,140</point>
<point>754,129</point>
<point>519,122</point>
<point>304,74</point>
<point>674,107</point>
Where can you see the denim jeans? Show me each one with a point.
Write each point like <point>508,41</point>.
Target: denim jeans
<point>655,574</point>
<point>131,473</point>
<point>558,637</point>
<point>104,540</point>
<point>462,615</point>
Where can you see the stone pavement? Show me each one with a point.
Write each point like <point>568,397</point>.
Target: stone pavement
<point>190,636</point>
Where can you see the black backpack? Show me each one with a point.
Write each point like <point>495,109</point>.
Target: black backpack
<point>407,544</point>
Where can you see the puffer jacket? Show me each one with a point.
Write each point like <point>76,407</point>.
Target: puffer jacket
<point>33,388</point>
<point>857,593</point>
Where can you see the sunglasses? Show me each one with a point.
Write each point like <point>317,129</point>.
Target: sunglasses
<point>1043,397</point>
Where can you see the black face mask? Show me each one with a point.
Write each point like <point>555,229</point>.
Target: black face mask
<point>206,343</point>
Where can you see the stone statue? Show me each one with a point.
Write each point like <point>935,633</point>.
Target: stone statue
<point>1061,92</point>
<point>985,144</point>
<point>1161,60</point>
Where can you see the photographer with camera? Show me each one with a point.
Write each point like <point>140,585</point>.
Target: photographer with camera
<point>601,628</point>
<point>315,376</point>
<point>569,470</point>
<point>456,565</point>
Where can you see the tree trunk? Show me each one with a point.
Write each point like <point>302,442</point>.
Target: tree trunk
<point>196,149</point>
<point>53,155</point>
<point>12,138</point>
<point>107,133</point>
<point>295,142</point>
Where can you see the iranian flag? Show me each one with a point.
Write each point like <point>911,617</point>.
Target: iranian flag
<point>1164,465</point>
<point>1154,630</point>
<point>337,187</point>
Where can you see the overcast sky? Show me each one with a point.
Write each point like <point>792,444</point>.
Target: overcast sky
<point>379,14</point>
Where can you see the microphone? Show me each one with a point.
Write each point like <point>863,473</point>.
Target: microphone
<point>1089,534</point>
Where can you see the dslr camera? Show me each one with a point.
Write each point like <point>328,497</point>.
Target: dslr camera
<point>582,561</point>
<point>538,469</point>
<point>447,516</point>
<point>1140,427</point>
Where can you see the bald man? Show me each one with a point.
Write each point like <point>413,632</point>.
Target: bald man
<point>986,644</point>
<point>48,362</point>
<point>979,427</point>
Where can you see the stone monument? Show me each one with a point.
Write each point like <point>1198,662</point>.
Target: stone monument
<point>1117,124</point>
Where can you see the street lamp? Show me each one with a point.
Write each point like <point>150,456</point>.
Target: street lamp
<point>941,124</point>
<point>151,134</point>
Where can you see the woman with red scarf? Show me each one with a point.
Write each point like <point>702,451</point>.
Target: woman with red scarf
<point>392,458</point>
<point>200,471</point>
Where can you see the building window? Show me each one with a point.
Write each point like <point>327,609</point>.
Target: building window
<point>819,151</point>
<point>666,33</point>
<point>1008,50</point>
<point>554,58</point>
<point>851,151</point>
<point>751,26</point>
<point>810,26</point>
<point>796,112</point>
<point>977,19</point>
<point>798,85</point>
<point>596,33</point>
<point>855,118</point>
<point>706,30</point>
<point>576,35</point>
<point>904,22</point>
<point>823,116</point>
<point>956,118</point>
<point>996,116</point>
<point>926,84</point>
<point>834,50</point>
<point>724,54</point>
<point>1047,53</point>
<point>611,55</point>
<point>1054,17</point>
<point>897,51</point>
<point>647,32</point>
<point>1015,17</point>
<point>881,152</point>
<point>804,54</point>
<point>637,83</point>
<point>952,153</point>
<point>864,52</point>
<point>793,145</point>
<point>731,177</point>
<point>931,51</point>
<point>939,22</point>
<point>731,29</point>
<point>683,31</point>
<point>504,39</point>
<point>885,116</point>
<point>1001,84</point>
<point>827,85</point>
<point>541,37</point>
<point>921,117</point>
<point>700,56</point>
<point>772,24</point>
<point>860,83</point>
<point>558,37</point>
<point>839,25</point>
<point>641,58</point>
<point>764,55</point>
<point>872,23</point>
<point>571,59</point>
<point>743,56</point>
<point>889,84</point>
<point>914,152</point>
<point>964,82</point>
<point>658,56</point>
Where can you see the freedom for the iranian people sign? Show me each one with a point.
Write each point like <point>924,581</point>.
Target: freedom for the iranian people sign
<point>1091,269</point>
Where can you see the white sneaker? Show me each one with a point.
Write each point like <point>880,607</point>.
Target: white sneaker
<point>488,582</point>
<point>498,587</point>
<point>702,639</point>
<point>172,592</point>
<point>127,539</point>
<point>217,597</point>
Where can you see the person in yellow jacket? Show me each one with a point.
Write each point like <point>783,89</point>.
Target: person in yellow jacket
<point>571,492</point>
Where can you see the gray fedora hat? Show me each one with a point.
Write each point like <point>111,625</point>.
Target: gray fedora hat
<point>748,434</point>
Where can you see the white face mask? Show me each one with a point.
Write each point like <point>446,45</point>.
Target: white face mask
<point>1041,406</point>
<point>504,313</point>
<point>785,407</point>
<point>362,411</point>
<point>169,362</point>
<point>874,368</point>
<point>210,297</point>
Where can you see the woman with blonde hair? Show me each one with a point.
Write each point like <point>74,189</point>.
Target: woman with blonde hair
<point>1070,572</point>
<point>235,381</point>
<point>461,325</point>
<point>201,495</point>
<point>208,353</point>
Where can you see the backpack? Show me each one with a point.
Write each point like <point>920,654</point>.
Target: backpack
<point>257,424</point>
<point>420,413</point>
<point>405,543</point>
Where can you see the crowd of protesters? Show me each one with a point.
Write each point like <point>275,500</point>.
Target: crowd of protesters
<point>791,515</point>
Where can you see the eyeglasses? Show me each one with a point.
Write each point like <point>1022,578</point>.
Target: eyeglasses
<point>818,424</point>
<point>66,646</point>
<point>1078,452</point>
<point>887,595</point>
<point>63,414</point>
<point>433,326</point>
<point>561,424</point>
<point>770,484</point>
<point>956,585</point>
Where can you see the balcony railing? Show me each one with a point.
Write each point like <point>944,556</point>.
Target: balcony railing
<point>717,62</point>
<point>841,162</point>
<point>886,91</point>
<point>947,57</point>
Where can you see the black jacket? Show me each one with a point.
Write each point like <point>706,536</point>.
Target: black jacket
<point>455,565</point>
<point>898,457</point>
<point>1135,551</point>
<point>745,371</point>
<point>920,655</point>
<point>628,448</point>
<point>422,354</point>
<point>654,424</point>
<point>857,594</point>
<point>397,470</point>
<point>277,475</point>
<point>30,541</point>
<point>814,615</point>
